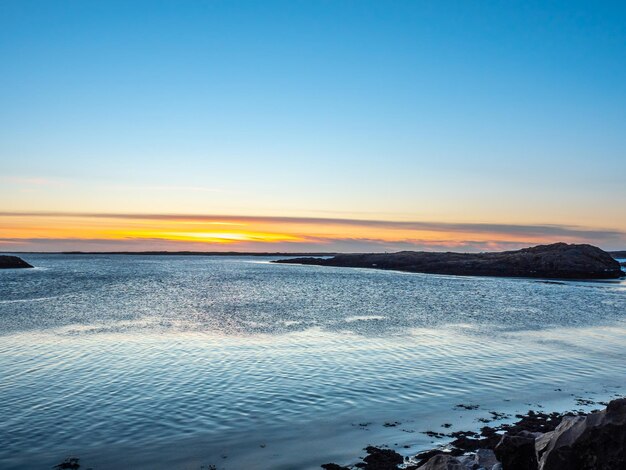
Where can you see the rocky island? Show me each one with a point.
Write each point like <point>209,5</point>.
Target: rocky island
<point>555,261</point>
<point>13,262</point>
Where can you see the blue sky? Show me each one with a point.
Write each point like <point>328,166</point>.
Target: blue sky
<point>469,112</point>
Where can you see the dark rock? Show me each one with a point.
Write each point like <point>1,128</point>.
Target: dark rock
<point>443,462</point>
<point>333,466</point>
<point>12,262</point>
<point>469,441</point>
<point>557,261</point>
<point>532,425</point>
<point>485,458</point>
<point>593,442</point>
<point>516,453</point>
<point>425,456</point>
<point>70,463</point>
<point>467,407</point>
<point>534,422</point>
<point>381,459</point>
<point>546,441</point>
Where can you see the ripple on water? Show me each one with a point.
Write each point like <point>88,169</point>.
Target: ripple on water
<point>105,352</point>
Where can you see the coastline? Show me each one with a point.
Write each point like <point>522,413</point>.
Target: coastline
<point>488,445</point>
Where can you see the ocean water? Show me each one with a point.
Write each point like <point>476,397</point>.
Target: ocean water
<point>174,362</point>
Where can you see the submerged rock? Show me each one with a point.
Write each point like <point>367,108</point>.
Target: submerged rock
<point>70,463</point>
<point>557,261</point>
<point>381,459</point>
<point>12,262</point>
<point>334,466</point>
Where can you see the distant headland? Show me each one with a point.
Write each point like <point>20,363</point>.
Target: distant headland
<point>13,262</point>
<point>555,261</point>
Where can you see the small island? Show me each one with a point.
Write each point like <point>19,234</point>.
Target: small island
<point>555,261</point>
<point>13,262</point>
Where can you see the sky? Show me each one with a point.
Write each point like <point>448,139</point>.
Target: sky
<point>311,125</point>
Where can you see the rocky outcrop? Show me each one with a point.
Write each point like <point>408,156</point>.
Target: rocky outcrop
<point>12,262</point>
<point>596,441</point>
<point>517,452</point>
<point>593,442</point>
<point>556,261</point>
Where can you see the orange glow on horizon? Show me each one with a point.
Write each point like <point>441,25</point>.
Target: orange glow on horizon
<point>210,237</point>
<point>139,232</point>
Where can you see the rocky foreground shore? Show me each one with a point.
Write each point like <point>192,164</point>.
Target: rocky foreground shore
<point>538,441</point>
<point>13,262</point>
<point>555,261</point>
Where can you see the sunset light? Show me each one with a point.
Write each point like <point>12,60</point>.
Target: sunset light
<point>312,235</point>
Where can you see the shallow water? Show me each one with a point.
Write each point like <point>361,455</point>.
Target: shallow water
<point>180,362</point>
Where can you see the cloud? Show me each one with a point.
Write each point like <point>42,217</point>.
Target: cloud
<point>198,189</point>
<point>515,230</point>
<point>33,181</point>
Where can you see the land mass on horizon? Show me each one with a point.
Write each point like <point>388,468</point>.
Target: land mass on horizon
<point>555,261</point>
<point>13,262</point>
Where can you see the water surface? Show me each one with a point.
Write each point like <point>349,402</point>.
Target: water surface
<point>181,362</point>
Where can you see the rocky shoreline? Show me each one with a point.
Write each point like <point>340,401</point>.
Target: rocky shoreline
<point>537,441</point>
<point>555,261</point>
<point>13,262</point>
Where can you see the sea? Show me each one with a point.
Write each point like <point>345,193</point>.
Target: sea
<point>233,362</point>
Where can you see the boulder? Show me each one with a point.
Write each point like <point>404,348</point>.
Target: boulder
<point>542,442</point>
<point>516,452</point>
<point>485,458</point>
<point>443,462</point>
<point>425,456</point>
<point>593,442</point>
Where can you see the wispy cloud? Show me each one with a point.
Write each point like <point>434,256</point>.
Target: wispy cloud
<point>306,245</point>
<point>526,230</point>
<point>179,188</point>
<point>33,181</point>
